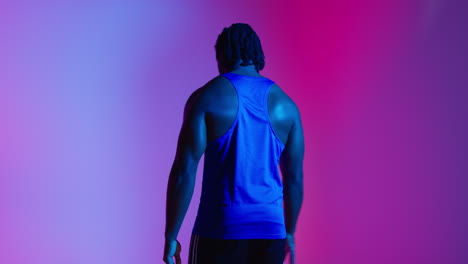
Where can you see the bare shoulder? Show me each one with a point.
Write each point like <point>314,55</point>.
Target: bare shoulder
<point>284,101</point>
<point>210,87</point>
<point>201,97</point>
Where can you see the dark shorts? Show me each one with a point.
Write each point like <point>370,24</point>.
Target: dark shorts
<point>238,251</point>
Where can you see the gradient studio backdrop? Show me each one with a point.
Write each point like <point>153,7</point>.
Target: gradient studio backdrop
<point>91,103</point>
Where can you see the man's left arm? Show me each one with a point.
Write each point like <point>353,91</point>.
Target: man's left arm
<point>190,147</point>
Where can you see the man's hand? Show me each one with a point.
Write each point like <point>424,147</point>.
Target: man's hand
<point>291,248</point>
<point>172,250</point>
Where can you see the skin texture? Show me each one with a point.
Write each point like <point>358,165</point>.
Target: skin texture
<point>208,114</point>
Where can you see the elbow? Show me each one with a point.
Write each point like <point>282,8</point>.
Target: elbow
<point>294,184</point>
<point>294,187</point>
<point>184,178</point>
<point>294,179</point>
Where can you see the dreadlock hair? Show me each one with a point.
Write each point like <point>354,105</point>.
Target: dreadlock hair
<point>239,42</point>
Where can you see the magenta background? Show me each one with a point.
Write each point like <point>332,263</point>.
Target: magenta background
<point>91,103</point>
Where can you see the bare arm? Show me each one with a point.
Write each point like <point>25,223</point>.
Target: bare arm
<point>190,147</point>
<point>291,168</point>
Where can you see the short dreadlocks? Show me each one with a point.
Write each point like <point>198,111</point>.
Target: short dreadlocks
<point>239,42</point>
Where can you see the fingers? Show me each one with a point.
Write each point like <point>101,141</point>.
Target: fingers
<point>178,248</point>
<point>168,260</point>
<point>172,251</point>
<point>177,253</point>
<point>292,256</point>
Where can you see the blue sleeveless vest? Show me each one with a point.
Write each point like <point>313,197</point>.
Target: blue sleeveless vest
<point>242,191</point>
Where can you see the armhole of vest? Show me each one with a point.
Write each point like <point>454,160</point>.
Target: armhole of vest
<point>265,102</point>
<point>234,123</point>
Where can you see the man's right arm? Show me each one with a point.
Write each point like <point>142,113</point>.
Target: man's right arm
<point>291,168</point>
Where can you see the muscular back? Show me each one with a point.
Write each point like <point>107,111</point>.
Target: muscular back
<point>211,111</point>
<point>221,104</point>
